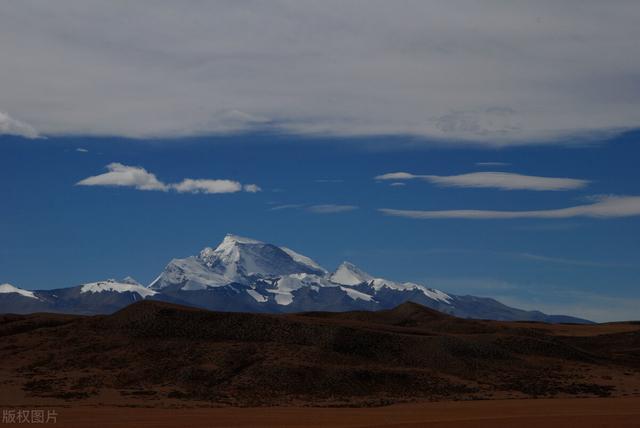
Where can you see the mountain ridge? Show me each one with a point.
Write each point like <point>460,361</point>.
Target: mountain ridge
<point>247,275</point>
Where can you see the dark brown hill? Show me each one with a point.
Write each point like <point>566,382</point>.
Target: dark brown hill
<point>155,353</point>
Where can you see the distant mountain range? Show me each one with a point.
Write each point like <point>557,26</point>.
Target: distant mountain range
<point>245,275</point>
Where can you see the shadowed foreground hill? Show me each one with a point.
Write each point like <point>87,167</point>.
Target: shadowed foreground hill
<point>155,353</point>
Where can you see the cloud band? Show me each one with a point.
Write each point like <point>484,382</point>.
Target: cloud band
<point>496,180</point>
<point>604,207</point>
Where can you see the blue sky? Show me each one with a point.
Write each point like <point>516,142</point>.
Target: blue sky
<point>510,130</point>
<point>58,234</point>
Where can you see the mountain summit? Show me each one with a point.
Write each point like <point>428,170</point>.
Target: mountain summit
<point>349,274</point>
<point>10,289</point>
<point>236,260</point>
<point>246,275</point>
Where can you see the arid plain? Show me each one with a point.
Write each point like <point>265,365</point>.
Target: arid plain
<point>156,364</point>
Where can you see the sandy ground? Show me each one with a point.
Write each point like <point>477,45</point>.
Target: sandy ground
<point>547,413</point>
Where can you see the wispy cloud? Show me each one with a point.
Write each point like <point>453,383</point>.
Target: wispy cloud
<point>496,180</point>
<point>570,262</point>
<point>120,175</point>
<point>11,126</point>
<point>493,163</point>
<point>603,207</point>
<point>82,150</point>
<point>398,176</point>
<point>286,207</point>
<point>316,209</point>
<point>252,188</point>
<point>331,208</point>
<point>531,257</point>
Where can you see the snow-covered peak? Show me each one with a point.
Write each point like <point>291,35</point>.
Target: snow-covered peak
<point>228,250</point>
<point>349,274</point>
<point>112,285</point>
<point>231,240</point>
<point>206,253</point>
<point>303,259</point>
<point>130,280</point>
<point>432,293</point>
<point>236,260</point>
<point>8,288</point>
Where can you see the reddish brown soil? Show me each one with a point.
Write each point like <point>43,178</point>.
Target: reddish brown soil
<point>153,354</point>
<point>547,413</point>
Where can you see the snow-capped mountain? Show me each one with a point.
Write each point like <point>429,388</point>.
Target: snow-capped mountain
<point>24,301</point>
<point>243,274</point>
<point>128,285</point>
<point>350,275</point>
<point>90,298</point>
<point>10,289</point>
<point>99,297</point>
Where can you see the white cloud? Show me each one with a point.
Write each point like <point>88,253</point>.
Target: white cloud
<point>501,73</point>
<point>11,126</point>
<point>497,180</point>
<point>397,184</point>
<point>507,181</point>
<point>252,188</point>
<point>189,185</point>
<point>82,150</point>
<point>398,176</point>
<point>139,178</point>
<point>603,207</point>
<point>330,208</point>
<point>125,176</point>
